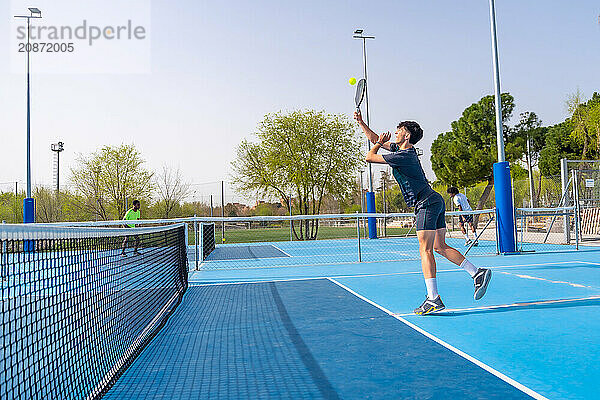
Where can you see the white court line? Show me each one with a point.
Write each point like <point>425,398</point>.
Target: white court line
<point>247,282</point>
<point>501,306</point>
<point>328,255</point>
<point>214,266</point>
<point>309,278</point>
<point>354,263</point>
<point>523,276</point>
<point>475,361</point>
<point>228,260</point>
<point>589,262</point>
<point>281,250</point>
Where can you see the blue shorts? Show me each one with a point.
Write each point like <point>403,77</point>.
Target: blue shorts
<point>431,213</point>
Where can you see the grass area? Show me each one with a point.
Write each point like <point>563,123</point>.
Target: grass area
<point>280,234</point>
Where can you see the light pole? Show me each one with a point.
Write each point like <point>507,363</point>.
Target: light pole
<point>358,34</point>
<point>28,203</point>
<point>57,148</point>
<point>498,100</point>
<point>505,216</point>
<point>370,196</point>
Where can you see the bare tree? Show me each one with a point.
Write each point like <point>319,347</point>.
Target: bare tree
<point>171,190</point>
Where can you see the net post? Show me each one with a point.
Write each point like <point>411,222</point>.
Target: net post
<point>201,251</point>
<point>186,232</point>
<point>358,236</point>
<point>196,253</point>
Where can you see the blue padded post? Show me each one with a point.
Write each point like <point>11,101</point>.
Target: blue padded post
<point>28,210</point>
<point>504,207</point>
<point>370,196</point>
<point>28,218</point>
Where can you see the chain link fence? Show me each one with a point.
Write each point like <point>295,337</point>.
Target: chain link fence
<point>220,199</point>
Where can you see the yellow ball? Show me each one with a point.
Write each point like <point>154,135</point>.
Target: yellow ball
<point>352,81</point>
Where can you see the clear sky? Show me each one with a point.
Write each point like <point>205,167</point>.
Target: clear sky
<point>217,67</point>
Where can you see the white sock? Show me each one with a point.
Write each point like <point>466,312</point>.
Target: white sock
<point>466,235</point>
<point>469,267</point>
<point>432,291</point>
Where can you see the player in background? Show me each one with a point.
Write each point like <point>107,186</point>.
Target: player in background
<point>460,201</point>
<point>132,214</point>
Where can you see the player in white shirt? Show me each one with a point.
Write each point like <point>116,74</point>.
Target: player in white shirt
<point>460,201</point>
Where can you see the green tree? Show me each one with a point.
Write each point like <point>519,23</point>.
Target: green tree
<point>585,120</point>
<point>577,138</point>
<point>559,144</point>
<point>264,209</point>
<point>106,179</point>
<point>308,154</point>
<point>11,207</point>
<point>465,155</point>
<point>394,201</point>
<point>189,209</point>
<point>531,136</point>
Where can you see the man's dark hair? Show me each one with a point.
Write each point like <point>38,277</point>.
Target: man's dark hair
<point>416,133</point>
<point>452,190</point>
<point>136,202</point>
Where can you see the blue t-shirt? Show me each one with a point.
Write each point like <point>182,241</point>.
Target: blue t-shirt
<point>409,174</point>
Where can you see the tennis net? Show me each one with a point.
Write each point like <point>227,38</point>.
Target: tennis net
<point>207,237</point>
<point>75,311</point>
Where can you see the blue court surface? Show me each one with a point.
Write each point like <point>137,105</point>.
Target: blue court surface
<point>344,329</point>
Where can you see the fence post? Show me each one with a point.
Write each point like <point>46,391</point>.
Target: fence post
<point>4,261</point>
<point>523,223</point>
<point>576,230</point>
<point>358,237</point>
<point>223,211</point>
<point>362,198</point>
<point>564,180</point>
<point>291,227</point>
<point>576,210</point>
<point>384,211</point>
<point>197,255</point>
<point>16,202</point>
<point>496,230</point>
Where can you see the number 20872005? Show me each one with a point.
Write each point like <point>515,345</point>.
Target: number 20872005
<point>42,47</point>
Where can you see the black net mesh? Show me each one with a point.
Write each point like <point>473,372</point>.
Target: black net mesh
<point>76,311</point>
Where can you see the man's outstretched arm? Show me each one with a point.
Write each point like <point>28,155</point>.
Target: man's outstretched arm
<point>372,156</point>
<point>371,136</point>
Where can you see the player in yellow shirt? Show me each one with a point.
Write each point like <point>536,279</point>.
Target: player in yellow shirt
<point>132,214</point>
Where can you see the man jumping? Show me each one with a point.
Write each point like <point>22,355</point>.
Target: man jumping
<point>460,201</point>
<point>429,208</point>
